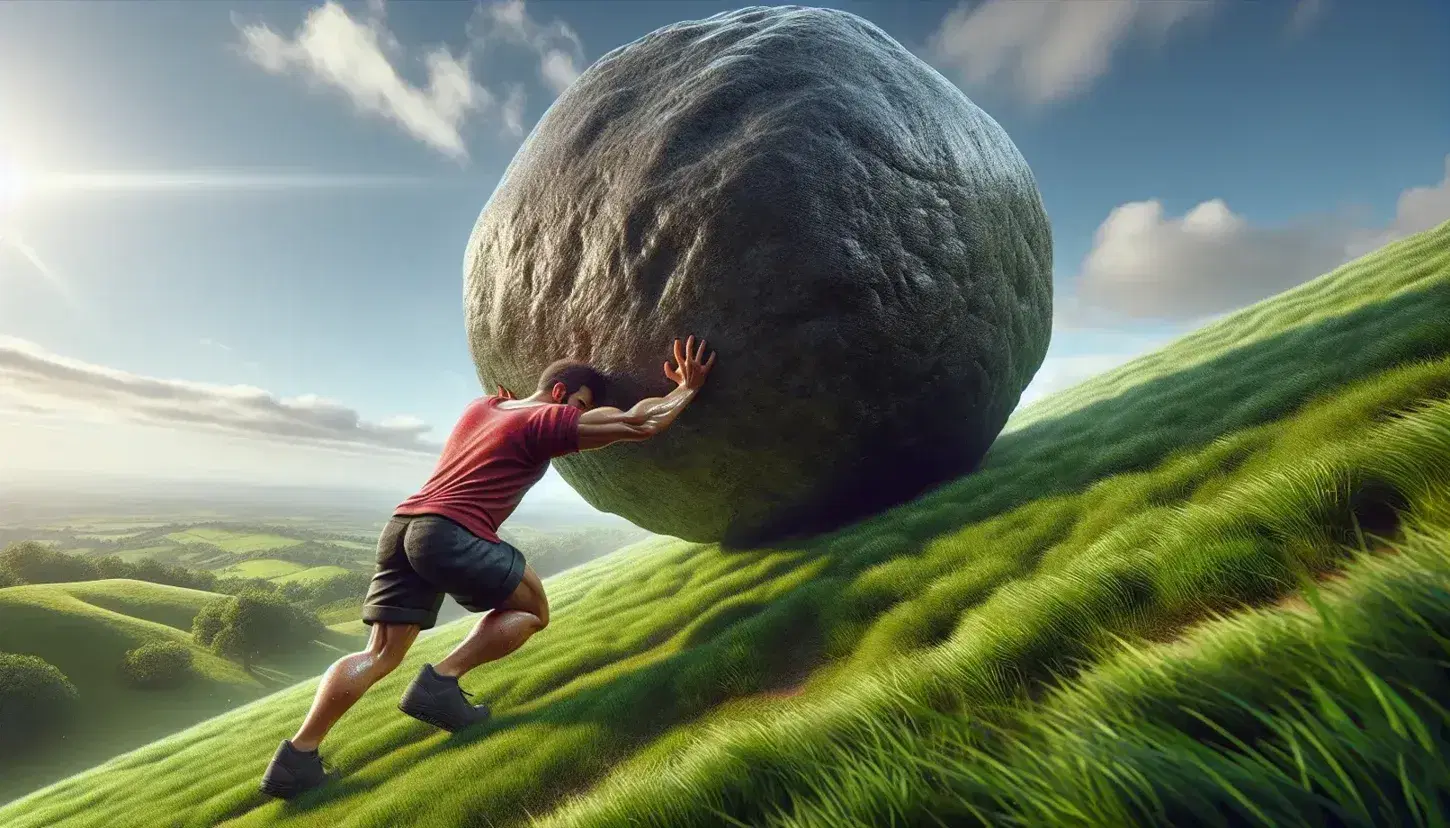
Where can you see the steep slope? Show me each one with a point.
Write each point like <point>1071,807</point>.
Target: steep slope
<point>959,656</point>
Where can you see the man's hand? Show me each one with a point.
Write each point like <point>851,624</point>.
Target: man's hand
<point>601,427</point>
<point>505,393</point>
<point>689,371</point>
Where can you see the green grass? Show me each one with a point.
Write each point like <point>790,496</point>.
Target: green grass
<point>238,542</point>
<point>109,535</point>
<point>136,555</point>
<point>266,568</point>
<point>85,629</point>
<point>163,604</point>
<point>316,573</point>
<point>1111,623</point>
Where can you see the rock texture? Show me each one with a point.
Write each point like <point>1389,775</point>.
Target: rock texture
<point>865,248</point>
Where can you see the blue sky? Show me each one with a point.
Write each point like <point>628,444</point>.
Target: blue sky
<point>192,202</point>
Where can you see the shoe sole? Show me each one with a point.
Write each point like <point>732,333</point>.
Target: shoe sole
<point>283,791</point>
<point>427,717</point>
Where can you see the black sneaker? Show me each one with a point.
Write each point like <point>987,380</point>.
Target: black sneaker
<point>441,702</point>
<point>293,772</point>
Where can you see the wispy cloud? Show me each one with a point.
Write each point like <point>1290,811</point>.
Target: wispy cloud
<point>204,180</point>
<point>1050,50</point>
<point>558,46</point>
<point>360,58</point>
<point>356,57</point>
<point>33,379</point>
<point>1145,264</point>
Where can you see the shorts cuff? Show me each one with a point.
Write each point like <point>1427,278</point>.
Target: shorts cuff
<point>516,576</point>
<point>398,615</point>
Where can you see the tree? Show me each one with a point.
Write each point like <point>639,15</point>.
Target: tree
<point>29,562</point>
<point>208,622</point>
<point>257,624</point>
<point>157,665</point>
<point>36,699</point>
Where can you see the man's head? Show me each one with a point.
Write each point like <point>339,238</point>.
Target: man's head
<point>572,383</point>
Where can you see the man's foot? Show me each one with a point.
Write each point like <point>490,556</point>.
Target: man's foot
<point>293,771</point>
<point>440,702</point>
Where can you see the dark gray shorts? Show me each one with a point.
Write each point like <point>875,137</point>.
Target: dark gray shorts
<point>420,557</point>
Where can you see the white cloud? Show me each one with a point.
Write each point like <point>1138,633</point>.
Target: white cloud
<point>1049,50</point>
<point>558,46</point>
<point>1145,264</point>
<point>513,111</point>
<point>360,57</point>
<point>34,379</point>
<point>357,57</point>
<point>1417,209</point>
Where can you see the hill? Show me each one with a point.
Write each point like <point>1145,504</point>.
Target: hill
<point>1208,588</point>
<point>86,628</point>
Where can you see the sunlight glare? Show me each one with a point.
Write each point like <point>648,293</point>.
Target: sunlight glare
<point>15,183</point>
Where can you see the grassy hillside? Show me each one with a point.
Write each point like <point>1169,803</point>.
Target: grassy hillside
<point>85,630</point>
<point>1111,623</point>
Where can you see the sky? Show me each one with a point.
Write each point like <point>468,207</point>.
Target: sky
<point>231,234</point>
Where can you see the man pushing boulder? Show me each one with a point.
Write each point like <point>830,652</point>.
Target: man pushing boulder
<point>444,539</point>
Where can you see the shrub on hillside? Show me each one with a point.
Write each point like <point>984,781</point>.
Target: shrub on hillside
<point>232,585</point>
<point>337,587</point>
<point>36,699</point>
<point>157,665</point>
<point>7,579</point>
<point>29,562</point>
<point>208,622</point>
<point>256,624</point>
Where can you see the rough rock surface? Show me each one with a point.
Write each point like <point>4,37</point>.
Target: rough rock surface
<point>865,248</point>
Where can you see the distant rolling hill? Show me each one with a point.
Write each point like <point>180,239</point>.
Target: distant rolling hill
<point>86,628</point>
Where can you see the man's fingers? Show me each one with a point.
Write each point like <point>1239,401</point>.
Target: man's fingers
<point>711,360</point>
<point>690,347</point>
<point>679,353</point>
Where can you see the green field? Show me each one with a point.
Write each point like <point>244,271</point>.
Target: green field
<point>316,573</point>
<point>266,568</point>
<point>108,535</point>
<point>135,555</point>
<point>1209,588</point>
<point>233,541</point>
<point>85,629</point>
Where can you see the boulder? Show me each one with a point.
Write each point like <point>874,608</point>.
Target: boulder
<point>865,248</point>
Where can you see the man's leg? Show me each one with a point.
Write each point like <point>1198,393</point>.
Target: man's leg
<point>351,676</point>
<point>502,630</point>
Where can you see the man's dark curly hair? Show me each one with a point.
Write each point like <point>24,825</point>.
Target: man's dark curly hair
<point>574,375</point>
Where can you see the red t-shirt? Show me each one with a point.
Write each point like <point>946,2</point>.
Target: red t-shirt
<point>493,457</point>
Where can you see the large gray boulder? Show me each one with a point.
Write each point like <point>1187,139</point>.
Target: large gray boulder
<point>865,248</point>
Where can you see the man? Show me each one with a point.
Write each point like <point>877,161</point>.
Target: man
<point>444,539</point>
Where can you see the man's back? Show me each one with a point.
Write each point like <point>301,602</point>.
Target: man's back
<point>497,451</point>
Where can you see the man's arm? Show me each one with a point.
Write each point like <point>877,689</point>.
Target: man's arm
<point>601,427</point>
